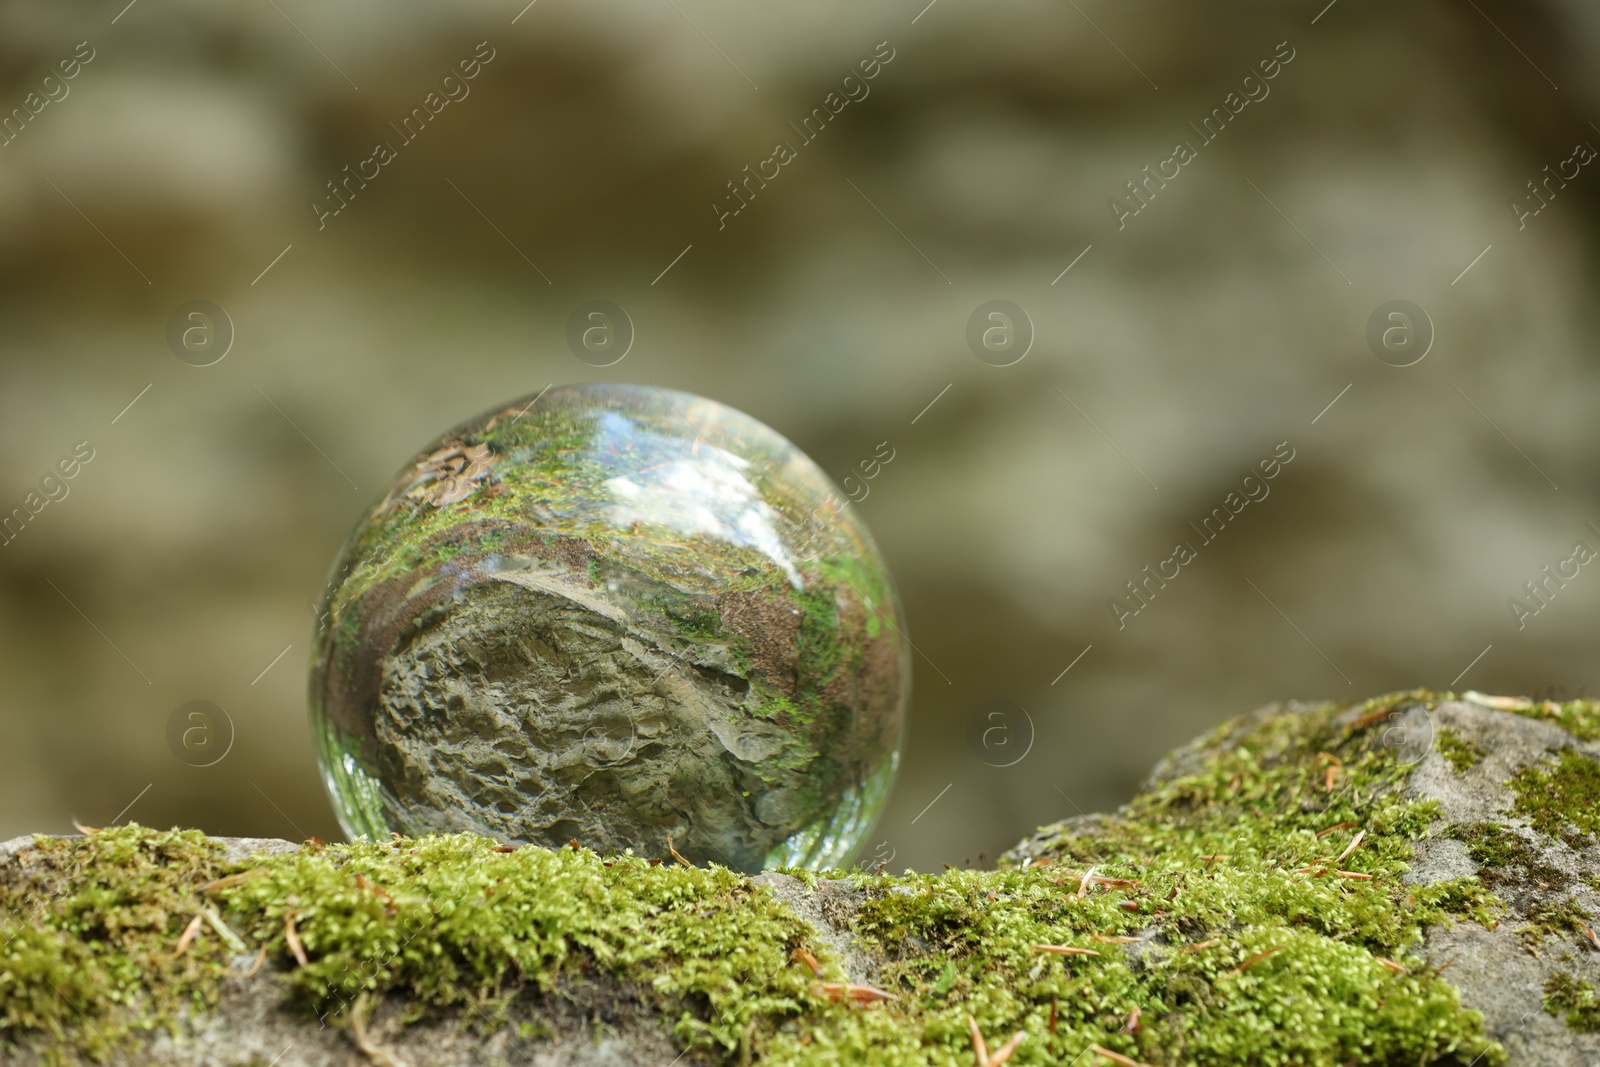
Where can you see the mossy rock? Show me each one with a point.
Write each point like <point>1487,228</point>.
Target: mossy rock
<point>1302,886</point>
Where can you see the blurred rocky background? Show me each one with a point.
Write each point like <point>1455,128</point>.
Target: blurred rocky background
<point>182,160</point>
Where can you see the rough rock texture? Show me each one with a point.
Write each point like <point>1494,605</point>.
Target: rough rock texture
<point>1493,804</point>
<point>563,729</point>
<point>256,1024</point>
<point>1499,971</point>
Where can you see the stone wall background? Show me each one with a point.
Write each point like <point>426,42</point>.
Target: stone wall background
<point>1210,328</point>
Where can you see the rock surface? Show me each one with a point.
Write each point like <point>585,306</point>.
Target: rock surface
<point>1497,972</point>
<point>1511,788</point>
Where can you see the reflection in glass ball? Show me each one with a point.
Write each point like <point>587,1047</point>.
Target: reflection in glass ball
<point>617,615</point>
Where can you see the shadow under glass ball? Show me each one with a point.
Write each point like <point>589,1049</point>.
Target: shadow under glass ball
<point>616,615</point>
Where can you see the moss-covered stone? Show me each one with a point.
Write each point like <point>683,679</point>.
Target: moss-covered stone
<point>1562,794</point>
<point>1279,893</point>
<point>454,924</point>
<point>1551,920</point>
<point>1502,855</point>
<point>87,929</point>
<point>1462,754</point>
<point>1252,909</point>
<point>1574,1000</point>
<point>1580,718</point>
<point>1252,847</point>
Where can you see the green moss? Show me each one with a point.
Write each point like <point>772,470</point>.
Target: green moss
<point>803,711</point>
<point>829,644</point>
<point>447,920</point>
<point>775,706</point>
<point>1503,856</point>
<point>1555,796</point>
<point>1253,948</point>
<point>869,582</point>
<point>450,921</point>
<point>1462,754</point>
<point>697,623</point>
<point>1231,853</point>
<point>819,650</point>
<point>1574,1000</point>
<point>87,927</point>
<point>1551,920</point>
<point>1491,845</point>
<point>551,470</point>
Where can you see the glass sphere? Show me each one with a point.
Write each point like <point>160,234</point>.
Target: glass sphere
<point>618,615</point>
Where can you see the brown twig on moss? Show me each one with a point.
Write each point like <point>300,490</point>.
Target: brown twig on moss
<point>1369,718</point>
<point>1065,950</point>
<point>376,890</point>
<point>808,959</point>
<point>675,854</point>
<point>1335,765</point>
<point>1257,958</point>
<point>374,1052</point>
<point>255,966</point>
<point>844,992</point>
<point>189,934</point>
<point>291,936</point>
<point>851,992</point>
<point>1114,883</point>
<point>981,1049</point>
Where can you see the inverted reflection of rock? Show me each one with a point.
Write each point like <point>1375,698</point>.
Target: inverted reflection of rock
<point>590,623</point>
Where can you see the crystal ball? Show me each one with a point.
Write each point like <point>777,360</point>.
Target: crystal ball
<point>619,615</point>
